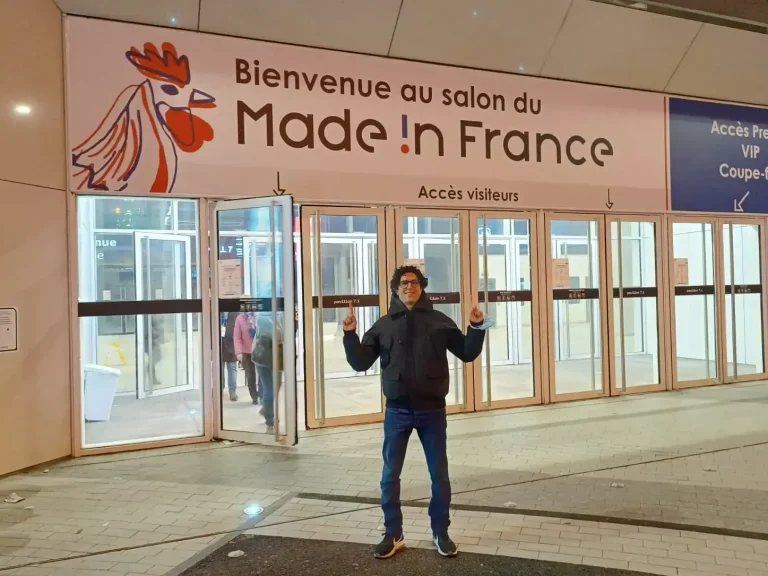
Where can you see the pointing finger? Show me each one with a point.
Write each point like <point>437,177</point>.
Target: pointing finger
<point>351,309</point>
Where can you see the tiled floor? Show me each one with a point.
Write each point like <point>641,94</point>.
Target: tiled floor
<point>698,458</point>
<point>180,414</point>
<point>653,550</point>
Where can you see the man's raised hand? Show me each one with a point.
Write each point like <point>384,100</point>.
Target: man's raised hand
<point>350,322</point>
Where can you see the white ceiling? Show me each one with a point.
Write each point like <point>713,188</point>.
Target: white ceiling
<point>492,34</point>
<point>619,46</point>
<point>353,25</point>
<point>577,40</point>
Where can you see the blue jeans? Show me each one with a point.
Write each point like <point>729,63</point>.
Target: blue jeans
<point>431,426</point>
<point>268,394</point>
<point>231,375</point>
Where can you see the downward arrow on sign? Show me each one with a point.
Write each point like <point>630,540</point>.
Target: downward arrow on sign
<point>279,191</point>
<point>609,204</point>
<point>737,204</point>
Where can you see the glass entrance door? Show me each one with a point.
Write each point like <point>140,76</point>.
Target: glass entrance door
<point>438,241</point>
<point>344,252</point>
<point>503,276</point>
<point>744,313</point>
<point>255,360</point>
<point>695,308</point>
<point>636,312</point>
<point>718,274</point>
<point>575,290</point>
<point>163,271</point>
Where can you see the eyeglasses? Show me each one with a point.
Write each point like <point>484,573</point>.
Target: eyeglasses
<point>412,283</point>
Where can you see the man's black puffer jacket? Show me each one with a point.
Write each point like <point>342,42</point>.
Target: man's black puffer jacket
<point>412,346</point>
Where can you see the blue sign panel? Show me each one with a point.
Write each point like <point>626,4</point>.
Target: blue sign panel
<point>718,157</point>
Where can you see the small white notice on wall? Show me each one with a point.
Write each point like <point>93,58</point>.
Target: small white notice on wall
<point>561,273</point>
<point>681,271</point>
<point>230,278</point>
<point>106,295</point>
<point>418,263</point>
<point>9,341</point>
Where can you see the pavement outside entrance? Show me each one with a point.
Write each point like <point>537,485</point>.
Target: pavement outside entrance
<point>180,414</point>
<point>669,483</point>
<point>280,556</point>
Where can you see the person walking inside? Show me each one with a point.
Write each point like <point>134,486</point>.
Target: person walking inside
<point>263,359</point>
<point>411,341</point>
<point>228,355</point>
<point>245,329</point>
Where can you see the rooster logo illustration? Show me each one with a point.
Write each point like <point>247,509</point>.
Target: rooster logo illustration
<point>135,145</point>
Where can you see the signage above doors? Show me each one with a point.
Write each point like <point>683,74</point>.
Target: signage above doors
<point>203,115</point>
<point>718,157</point>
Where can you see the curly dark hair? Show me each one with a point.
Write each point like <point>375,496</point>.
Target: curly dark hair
<point>394,284</point>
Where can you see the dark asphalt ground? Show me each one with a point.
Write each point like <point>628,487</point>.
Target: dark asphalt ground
<point>271,556</point>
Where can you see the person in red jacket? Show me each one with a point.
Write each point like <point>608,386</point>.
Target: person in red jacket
<point>245,329</point>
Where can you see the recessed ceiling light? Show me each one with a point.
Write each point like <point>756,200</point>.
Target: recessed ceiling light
<point>22,110</point>
<point>521,68</point>
<point>475,12</point>
<point>173,19</point>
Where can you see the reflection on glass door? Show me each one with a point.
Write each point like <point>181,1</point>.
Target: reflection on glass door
<point>254,289</point>
<point>139,309</point>
<point>439,239</point>
<point>574,280</point>
<point>163,272</point>
<point>503,273</point>
<point>344,249</point>
<point>636,310</point>
<point>742,275</point>
<point>694,303</point>
<point>257,252</point>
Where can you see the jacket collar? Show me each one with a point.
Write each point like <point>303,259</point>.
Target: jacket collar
<point>396,306</point>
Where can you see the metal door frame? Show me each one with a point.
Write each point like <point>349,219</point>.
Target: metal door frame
<point>760,223</point>
<point>536,364</point>
<point>141,391</point>
<point>599,219</point>
<point>717,280</point>
<point>532,255</point>
<point>290,437</point>
<point>394,247</point>
<point>661,315</point>
<point>311,240</point>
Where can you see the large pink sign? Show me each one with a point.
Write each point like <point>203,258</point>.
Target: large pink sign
<point>154,110</point>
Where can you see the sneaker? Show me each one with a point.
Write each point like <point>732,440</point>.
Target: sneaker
<point>270,429</point>
<point>233,396</point>
<point>389,547</point>
<point>445,546</point>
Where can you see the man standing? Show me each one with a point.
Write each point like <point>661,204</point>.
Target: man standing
<point>411,342</point>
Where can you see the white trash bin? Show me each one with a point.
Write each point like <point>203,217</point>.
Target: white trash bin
<point>100,389</point>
